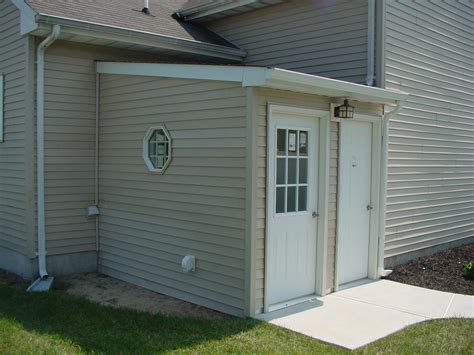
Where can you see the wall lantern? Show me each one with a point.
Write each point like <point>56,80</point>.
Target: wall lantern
<point>344,111</point>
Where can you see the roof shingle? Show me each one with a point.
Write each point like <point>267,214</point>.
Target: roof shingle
<point>127,14</point>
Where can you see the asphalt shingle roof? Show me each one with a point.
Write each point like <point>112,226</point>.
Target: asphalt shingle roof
<point>127,14</point>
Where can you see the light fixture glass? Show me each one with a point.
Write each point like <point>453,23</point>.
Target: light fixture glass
<point>344,111</point>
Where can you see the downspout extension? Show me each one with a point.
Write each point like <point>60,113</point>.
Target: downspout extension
<point>43,273</point>
<point>371,43</point>
<point>383,185</point>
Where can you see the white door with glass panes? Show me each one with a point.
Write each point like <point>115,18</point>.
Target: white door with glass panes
<point>292,200</point>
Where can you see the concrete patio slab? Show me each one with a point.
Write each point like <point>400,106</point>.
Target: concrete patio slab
<point>461,306</point>
<point>406,298</point>
<point>357,316</point>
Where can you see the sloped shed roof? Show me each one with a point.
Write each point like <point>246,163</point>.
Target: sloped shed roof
<point>127,14</point>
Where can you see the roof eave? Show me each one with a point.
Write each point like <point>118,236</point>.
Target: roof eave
<point>72,26</point>
<point>312,84</point>
<point>259,77</point>
<point>31,23</point>
<point>215,7</point>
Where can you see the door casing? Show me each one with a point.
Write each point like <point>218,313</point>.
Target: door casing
<point>323,194</point>
<point>374,238</point>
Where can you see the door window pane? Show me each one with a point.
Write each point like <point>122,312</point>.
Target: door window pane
<point>291,203</point>
<point>303,179</point>
<point>302,198</point>
<point>280,200</point>
<point>292,142</point>
<point>303,143</point>
<point>292,170</point>
<point>281,142</point>
<point>281,165</point>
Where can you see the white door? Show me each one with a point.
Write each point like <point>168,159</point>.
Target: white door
<point>292,201</point>
<point>354,201</point>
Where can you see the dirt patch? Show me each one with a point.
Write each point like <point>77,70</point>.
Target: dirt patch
<point>442,271</point>
<point>112,292</point>
<point>7,278</point>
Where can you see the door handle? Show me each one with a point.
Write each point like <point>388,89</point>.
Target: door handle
<point>369,208</point>
<point>315,214</point>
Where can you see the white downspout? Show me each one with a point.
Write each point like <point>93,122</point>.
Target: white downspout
<point>384,184</point>
<point>96,157</point>
<point>370,43</point>
<point>40,148</point>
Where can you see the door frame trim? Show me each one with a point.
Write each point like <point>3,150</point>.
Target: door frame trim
<point>323,193</point>
<point>374,238</point>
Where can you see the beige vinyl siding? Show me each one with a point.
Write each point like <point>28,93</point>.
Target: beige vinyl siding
<point>327,38</point>
<point>429,54</point>
<point>70,85</point>
<point>149,222</point>
<point>13,59</point>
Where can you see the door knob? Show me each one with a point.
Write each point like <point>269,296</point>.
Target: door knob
<point>315,214</point>
<point>369,208</point>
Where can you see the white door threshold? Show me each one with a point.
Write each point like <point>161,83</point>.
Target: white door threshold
<point>290,303</point>
<point>354,284</point>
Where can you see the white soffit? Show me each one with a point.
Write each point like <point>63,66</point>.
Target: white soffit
<point>258,77</point>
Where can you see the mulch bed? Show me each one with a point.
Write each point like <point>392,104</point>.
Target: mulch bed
<point>442,271</point>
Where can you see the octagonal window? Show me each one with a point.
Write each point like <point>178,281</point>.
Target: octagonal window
<point>157,149</point>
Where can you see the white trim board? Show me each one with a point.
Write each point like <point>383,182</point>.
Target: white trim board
<point>272,78</point>
<point>2,108</point>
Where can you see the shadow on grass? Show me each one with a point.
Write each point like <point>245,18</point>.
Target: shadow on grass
<point>101,329</point>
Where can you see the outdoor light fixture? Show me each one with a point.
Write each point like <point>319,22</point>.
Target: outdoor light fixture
<point>344,111</point>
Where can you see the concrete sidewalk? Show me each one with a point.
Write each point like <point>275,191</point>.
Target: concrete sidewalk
<point>357,316</point>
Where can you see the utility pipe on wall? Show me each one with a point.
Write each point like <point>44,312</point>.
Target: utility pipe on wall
<point>40,147</point>
<point>383,184</point>
<point>370,43</point>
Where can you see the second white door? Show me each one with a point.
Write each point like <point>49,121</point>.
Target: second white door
<point>354,201</point>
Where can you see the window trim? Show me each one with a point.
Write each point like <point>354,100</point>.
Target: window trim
<point>2,106</point>
<point>146,149</point>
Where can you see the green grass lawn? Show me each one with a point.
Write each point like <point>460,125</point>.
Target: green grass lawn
<point>56,322</point>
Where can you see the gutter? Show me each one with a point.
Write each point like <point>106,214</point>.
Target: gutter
<point>383,185</point>
<point>370,43</point>
<point>121,34</point>
<point>43,273</point>
<point>210,8</point>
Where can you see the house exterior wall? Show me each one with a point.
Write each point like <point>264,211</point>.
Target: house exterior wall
<point>148,221</point>
<point>70,99</point>
<point>327,38</point>
<point>16,152</point>
<point>429,54</point>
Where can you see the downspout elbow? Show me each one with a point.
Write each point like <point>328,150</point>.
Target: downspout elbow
<point>54,35</point>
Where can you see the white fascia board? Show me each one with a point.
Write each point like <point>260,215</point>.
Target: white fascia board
<point>27,17</point>
<point>311,84</point>
<point>212,8</point>
<point>258,77</point>
<point>248,76</point>
<point>120,34</point>
<point>2,109</point>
